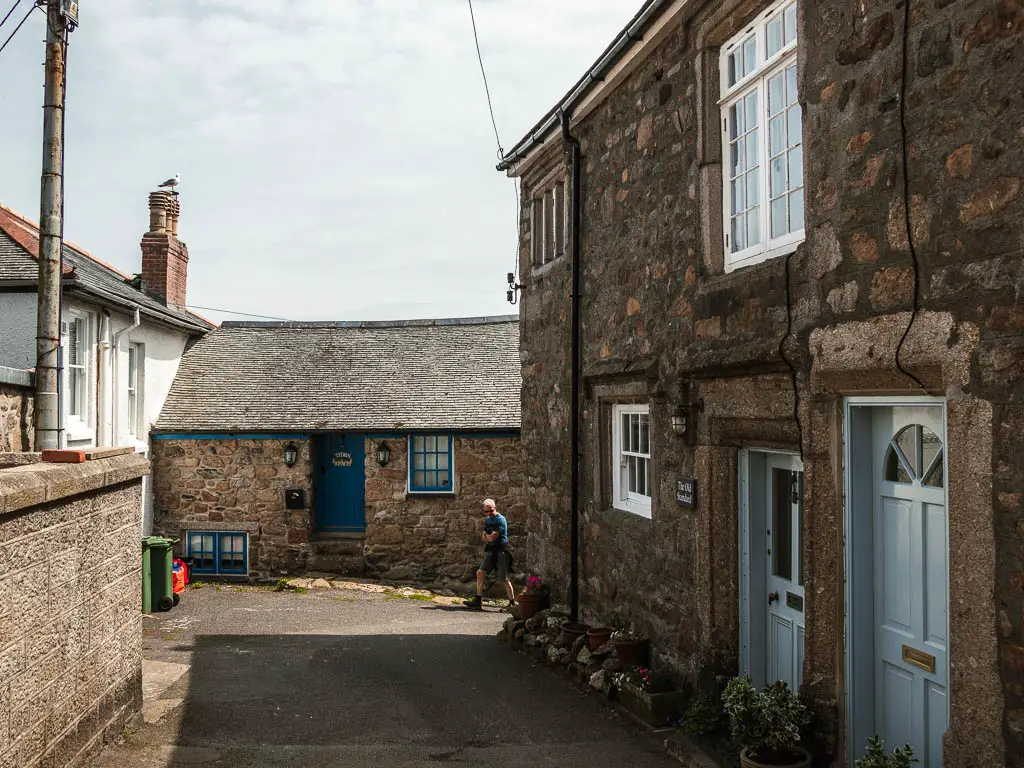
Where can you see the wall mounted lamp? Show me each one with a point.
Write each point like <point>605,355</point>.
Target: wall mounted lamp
<point>383,454</point>
<point>291,455</point>
<point>512,294</point>
<point>684,420</point>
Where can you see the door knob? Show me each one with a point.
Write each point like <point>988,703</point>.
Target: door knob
<point>772,597</point>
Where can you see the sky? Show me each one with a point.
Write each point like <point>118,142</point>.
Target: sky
<point>337,157</point>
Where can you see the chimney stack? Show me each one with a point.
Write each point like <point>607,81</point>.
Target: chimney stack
<point>164,256</point>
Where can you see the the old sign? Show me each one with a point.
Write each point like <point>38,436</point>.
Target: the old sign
<point>342,459</point>
<point>686,492</point>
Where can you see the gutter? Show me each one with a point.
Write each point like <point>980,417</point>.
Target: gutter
<point>608,59</point>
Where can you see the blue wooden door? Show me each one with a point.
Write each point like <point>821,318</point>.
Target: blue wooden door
<point>340,484</point>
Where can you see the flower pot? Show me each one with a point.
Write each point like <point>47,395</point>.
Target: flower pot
<point>531,603</point>
<point>598,636</point>
<point>571,631</point>
<point>632,653</point>
<point>801,759</point>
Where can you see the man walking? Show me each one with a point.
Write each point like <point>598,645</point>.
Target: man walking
<point>496,556</point>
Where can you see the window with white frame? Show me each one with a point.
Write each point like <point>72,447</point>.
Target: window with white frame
<point>631,459</point>
<point>135,357</point>
<point>547,224</point>
<point>762,140</point>
<point>76,350</point>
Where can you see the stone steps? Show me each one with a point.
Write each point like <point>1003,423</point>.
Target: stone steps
<point>336,555</point>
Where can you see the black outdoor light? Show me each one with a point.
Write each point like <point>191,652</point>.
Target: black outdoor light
<point>383,454</point>
<point>512,294</point>
<point>684,420</point>
<point>291,454</point>
<point>679,422</point>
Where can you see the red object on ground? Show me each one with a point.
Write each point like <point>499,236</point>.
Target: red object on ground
<point>179,576</point>
<point>64,456</point>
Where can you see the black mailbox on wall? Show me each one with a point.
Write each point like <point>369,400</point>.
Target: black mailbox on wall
<point>294,498</point>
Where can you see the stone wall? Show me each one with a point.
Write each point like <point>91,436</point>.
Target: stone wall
<point>663,323</point>
<point>435,539</point>
<point>223,484</point>
<point>432,539</point>
<point>15,410</point>
<point>70,619</point>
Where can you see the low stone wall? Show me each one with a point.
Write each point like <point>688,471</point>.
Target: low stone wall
<point>70,620</point>
<point>15,410</point>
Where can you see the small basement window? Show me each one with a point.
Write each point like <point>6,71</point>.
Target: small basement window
<point>430,464</point>
<point>218,553</point>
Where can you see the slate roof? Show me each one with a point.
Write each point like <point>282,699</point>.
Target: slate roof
<point>83,273</point>
<point>454,375</point>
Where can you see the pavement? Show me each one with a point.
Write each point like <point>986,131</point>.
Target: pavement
<point>358,675</point>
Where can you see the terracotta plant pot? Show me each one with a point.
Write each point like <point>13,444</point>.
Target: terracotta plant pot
<point>531,603</point>
<point>632,653</point>
<point>598,636</point>
<point>571,631</point>
<point>802,759</point>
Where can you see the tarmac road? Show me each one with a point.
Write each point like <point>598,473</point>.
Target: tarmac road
<point>350,677</point>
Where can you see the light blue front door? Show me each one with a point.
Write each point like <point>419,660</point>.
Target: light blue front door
<point>340,483</point>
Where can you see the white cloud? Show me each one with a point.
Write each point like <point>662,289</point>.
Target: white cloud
<point>337,156</point>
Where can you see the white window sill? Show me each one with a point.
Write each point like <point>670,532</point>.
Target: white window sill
<point>633,508</point>
<point>760,258</point>
<point>77,431</point>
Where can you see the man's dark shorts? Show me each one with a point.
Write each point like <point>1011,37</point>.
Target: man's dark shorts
<point>496,560</point>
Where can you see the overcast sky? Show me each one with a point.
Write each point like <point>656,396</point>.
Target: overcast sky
<point>337,158</point>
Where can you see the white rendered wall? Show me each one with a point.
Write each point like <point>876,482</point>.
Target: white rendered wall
<point>18,330</point>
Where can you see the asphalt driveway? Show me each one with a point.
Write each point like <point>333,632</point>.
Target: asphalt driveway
<point>358,677</point>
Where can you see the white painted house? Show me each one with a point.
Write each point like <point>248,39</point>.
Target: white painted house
<point>122,336</point>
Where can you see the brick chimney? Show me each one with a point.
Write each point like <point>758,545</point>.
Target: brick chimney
<point>164,256</point>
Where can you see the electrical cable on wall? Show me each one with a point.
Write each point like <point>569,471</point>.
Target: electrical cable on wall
<point>906,196</point>
<point>792,368</point>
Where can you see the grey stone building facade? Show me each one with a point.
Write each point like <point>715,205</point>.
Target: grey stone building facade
<point>800,415</point>
<point>361,448</point>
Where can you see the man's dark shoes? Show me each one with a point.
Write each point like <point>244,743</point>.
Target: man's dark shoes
<point>477,604</point>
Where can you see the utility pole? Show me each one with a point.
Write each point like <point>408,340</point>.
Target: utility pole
<point>61,17</point>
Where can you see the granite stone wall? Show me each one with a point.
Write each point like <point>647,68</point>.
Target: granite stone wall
<point>769,352</point>
<point>70,609</point>
<point>15,410</point>
<point>430,539</point>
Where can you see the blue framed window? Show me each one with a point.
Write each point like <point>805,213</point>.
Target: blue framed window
<point>430,463</point>
<point>216,552</point>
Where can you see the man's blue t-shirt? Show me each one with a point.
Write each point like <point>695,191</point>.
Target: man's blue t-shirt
<point>496,523</point>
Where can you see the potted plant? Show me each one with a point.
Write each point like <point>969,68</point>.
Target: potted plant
<point>650,694</point>
<point>875,757</point>
<point>598,636</point>
<point>768,724</point>
<point>630,647</point>
<point>572,630</point>
<point>534,597</point>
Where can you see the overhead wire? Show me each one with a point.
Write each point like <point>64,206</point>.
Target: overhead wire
<point>243,314</point>
<point>13,9</point>
<point>20,23</point>
<point>494,124</point>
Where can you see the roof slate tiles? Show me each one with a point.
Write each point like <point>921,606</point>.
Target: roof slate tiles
<point>459,375</point>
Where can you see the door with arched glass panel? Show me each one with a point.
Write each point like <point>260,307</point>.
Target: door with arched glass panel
<point>910,579</point>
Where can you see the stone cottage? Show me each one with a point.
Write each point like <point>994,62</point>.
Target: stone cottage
<point>773,357</point>
<point>351,447</point>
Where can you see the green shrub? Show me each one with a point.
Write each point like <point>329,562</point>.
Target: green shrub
<point>704,717</point>
<point>768,723</point>
<point>875,757</point>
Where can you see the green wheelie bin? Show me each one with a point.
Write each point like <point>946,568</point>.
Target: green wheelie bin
<point>161,556</point>
<point>147,578</point>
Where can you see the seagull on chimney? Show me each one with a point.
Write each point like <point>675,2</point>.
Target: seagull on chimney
<point>171,183</point>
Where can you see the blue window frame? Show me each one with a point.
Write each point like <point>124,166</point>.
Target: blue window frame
<point>430,463</point>
<point>215,552</point>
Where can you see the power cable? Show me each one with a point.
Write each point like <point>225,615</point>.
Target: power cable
<point>13,9</point>
<point>487,88</point>
<point>244,314</point>
<point>906,195</point>
<point>785,358</point>
<point>20,23</point>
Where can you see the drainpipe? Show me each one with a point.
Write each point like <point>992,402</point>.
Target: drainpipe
<point>575,217</point>
<point>103,432</point>
<point>136,322</point>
